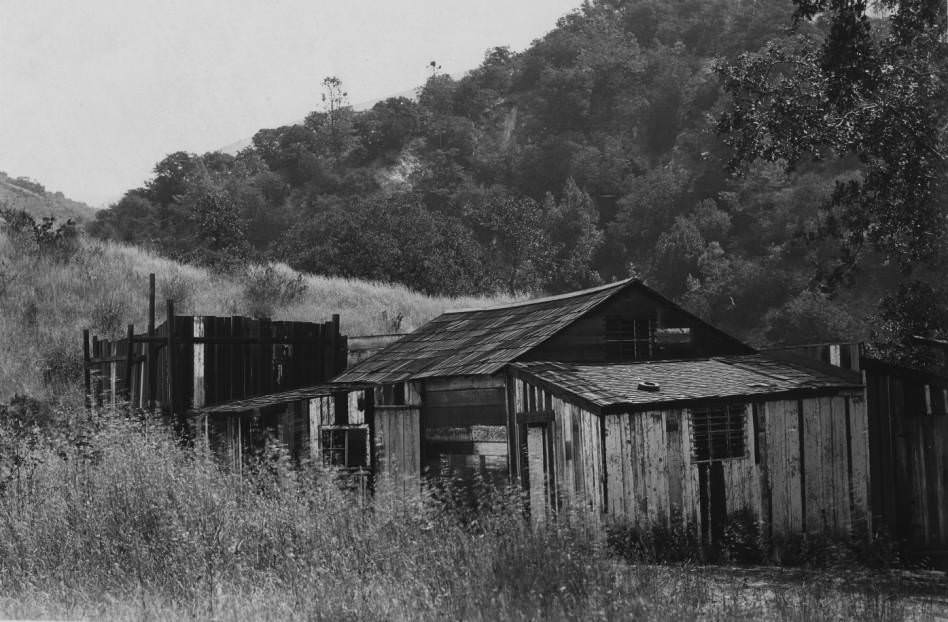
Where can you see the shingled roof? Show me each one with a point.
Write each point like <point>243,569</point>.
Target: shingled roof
<point>615,387</point>
<point>478,341</point>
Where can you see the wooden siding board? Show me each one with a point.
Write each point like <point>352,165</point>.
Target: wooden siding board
<point>654,450</point>
<point>537,477</point>
<point>840,461</point>
<point>813,463</point>
<point>859,448</point>
<point>675,464</point>
<point>614,463</point>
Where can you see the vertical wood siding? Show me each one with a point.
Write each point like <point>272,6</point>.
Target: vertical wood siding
<point>805,466</point>
<point>397,436</point>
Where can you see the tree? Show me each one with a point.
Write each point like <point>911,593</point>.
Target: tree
<point>575,237</point>
<point>333,125</point>
<point>882,99</point>
<point>513,232</point>
<point>844,86</point>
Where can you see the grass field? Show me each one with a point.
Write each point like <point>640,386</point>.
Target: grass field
<point>128,524</point>
<point>45,304</point>
<point>107,517</point>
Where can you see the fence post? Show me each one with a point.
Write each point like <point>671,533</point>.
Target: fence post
<point>86,374</point>
<point>150,376</point>
<point>129,353</point>
<point>169,321</point>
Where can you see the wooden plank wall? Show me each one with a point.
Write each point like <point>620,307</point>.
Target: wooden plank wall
<point>216,359</point>
<point>652,478</point>
<point>586,339</point>
<point>908,443</point>
<point>397,442</point>
<point>805,466</point>
<point>573,438</point>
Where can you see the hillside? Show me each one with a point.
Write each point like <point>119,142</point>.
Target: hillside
<point>609,147</point>
<point>33,198</point>
<point>45,304</point>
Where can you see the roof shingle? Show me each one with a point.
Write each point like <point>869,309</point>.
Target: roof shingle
<point>612,385</point>
<point>477,341</point>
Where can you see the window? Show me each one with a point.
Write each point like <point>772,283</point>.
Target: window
<point>718,433</point>
<point>628,340</point>
<point>344,447</point>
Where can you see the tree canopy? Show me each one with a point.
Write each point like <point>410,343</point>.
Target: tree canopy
<point>775,166</point>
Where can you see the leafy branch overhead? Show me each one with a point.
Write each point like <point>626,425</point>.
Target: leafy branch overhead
<point>874,91</point>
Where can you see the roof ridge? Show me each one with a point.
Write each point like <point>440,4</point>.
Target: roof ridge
<point>535,301</point>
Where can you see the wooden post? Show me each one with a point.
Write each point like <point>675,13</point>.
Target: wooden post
<point>97,385</point>
<point>149,392</point>
<point>169,322</point>
<point>129,353</point>
<point>86,374</point>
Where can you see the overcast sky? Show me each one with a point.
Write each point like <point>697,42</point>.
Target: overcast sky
<point>94,92</point>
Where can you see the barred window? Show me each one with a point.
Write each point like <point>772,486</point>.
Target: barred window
<point>344,447</point>
<point>718,433</point>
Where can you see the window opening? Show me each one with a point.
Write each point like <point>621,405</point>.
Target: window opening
<point>344,447</point>
<point>718,433</point>
<point>629,339</point>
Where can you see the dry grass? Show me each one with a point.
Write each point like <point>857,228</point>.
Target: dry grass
<point>44,305</point>
<point>128,524</point>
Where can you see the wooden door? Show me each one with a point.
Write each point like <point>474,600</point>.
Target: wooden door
<point>541,471</point>
<point>398,441</point>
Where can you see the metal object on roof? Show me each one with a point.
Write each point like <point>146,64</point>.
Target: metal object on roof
<point>616,386</point>
<point>478,341</point>
<point>263,401</point>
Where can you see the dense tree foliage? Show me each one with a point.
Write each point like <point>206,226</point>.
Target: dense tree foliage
<point>872,95</point>
<point>610,148</point>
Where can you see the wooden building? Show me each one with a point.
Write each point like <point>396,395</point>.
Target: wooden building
<point>446,383</point>
<point>617,403</point>
<point>692,442</point>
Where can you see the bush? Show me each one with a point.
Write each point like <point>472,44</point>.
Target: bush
<point>177,287</point>
<point>265,289</point>
<point>58,243</point>
<point>657,544</point>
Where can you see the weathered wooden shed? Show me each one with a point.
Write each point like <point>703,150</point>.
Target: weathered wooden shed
<point>441,398</point>
<point>693,442</point>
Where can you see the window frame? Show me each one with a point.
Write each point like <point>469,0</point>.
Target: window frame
<point>713,442</point>
<point>326,452</point>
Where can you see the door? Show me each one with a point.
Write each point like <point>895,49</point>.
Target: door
<point>541,471</point>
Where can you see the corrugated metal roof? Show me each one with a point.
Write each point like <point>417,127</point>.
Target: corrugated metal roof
<point>272,399</point>
<point>477,341</point>
<point>611,385</point>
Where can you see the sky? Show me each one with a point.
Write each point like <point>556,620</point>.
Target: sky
<point>94,93</point>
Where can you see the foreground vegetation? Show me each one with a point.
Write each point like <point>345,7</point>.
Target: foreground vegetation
<point>110,517</point>
<point>54,283</point>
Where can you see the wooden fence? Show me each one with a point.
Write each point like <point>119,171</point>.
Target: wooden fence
<point>188,362</point>
<point>908,445</point>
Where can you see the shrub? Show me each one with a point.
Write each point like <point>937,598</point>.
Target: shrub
<point>680,543</point>
<point>46,239</point>
<point>177,287</point>
<point>265,289</point>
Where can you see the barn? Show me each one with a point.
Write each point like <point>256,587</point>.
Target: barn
<point>617,401</point>
<point>691,443</point>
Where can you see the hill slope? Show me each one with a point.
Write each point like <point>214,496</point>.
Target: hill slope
<point>32,197</point>
<point>44,305</point>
